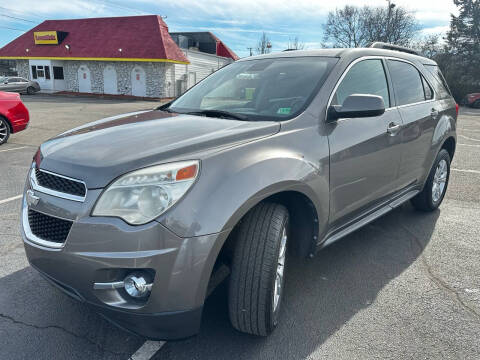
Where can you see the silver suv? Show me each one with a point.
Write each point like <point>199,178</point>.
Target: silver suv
<point>142,215</point>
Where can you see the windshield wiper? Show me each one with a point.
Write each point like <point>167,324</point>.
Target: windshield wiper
<point>218,113</point>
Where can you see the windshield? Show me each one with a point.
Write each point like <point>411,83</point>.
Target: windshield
<point>264,89</point>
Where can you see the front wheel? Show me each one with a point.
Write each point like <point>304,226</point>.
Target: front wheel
<point>432,194</point>
<point>30,90</point>
<point>4,130</point>
<point>258,268</point>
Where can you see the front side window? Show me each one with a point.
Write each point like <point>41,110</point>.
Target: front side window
<point>263,89</point>
<point>365,77</point>
<point>407,82</point>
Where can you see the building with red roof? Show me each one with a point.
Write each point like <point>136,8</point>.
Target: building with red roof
<point>133,55</point>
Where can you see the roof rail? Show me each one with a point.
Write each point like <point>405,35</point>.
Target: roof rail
<point>382,45</point>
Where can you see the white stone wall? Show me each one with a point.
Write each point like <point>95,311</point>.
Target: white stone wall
<point>23,69</point>
<point>155,76</point>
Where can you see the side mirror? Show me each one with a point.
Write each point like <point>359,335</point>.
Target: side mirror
<point>357,105</point>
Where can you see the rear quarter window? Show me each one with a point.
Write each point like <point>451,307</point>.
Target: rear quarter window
<point>440,84</point>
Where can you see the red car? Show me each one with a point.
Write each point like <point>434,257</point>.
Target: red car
<point>472,100</point>
<point>14,115</point>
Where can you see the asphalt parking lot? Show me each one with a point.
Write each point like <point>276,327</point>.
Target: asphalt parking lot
<point>406,286</point>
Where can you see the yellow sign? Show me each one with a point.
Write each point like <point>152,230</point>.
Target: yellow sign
<point>46,37</point>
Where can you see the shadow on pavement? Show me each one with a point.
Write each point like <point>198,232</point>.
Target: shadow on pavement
<point>322,294</point>
<point>37,321</point>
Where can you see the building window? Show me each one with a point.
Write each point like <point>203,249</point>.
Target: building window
<point>47,72</point>
<point>58,72</point>
<point>34,71</point>
<point>40,72</point>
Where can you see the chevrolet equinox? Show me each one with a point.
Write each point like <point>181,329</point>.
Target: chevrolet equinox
<point>141,215</point>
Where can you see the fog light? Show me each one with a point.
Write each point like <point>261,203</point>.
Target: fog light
<point>137,286</point>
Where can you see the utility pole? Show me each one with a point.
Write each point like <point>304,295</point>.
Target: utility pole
<point>390,7</point>
<point>250,48</point>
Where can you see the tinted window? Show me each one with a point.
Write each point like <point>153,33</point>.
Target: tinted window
<point>440,84</point>
<point>406,82</point>
<point>365,77</point>
<point>427,89</point>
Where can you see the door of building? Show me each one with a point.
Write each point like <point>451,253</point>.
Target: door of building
<point>110,80</point>
<point>139,87</point>
<point>84,82</point>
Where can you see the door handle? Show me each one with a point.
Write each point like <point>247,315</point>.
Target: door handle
<point>434,113</point>
<point>393,128</point>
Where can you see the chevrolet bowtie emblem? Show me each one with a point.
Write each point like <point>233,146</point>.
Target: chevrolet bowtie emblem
<point>32,199</point>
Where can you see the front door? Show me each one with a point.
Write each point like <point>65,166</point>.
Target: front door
<point>364,153</point>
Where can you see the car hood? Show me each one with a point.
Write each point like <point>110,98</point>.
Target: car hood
<point>101,151</point>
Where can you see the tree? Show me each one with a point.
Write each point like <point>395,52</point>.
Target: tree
<point>344,27</point>
<point>429,46</point>
<point>263,46</point>
<point>357,27</point>
<point>295,44</point>
<point>461,61</point>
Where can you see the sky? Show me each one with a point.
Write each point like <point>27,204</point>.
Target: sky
<point>239,23</point>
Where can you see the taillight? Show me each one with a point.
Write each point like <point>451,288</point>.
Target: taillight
<point>456,108</point>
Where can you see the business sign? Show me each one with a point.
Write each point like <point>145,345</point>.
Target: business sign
<point>46,37</point>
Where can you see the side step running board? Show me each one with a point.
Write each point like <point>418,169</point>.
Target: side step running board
<point>368,219</point>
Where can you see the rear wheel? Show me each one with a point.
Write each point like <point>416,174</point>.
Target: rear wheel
<point>258,267</point>
<point>4,130</point>
<point>30,90</point>
<point>432,194</point>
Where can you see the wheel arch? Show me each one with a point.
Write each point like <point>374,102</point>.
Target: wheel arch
<point>449,144</point>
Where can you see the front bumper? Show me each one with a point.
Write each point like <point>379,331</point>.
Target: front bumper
<point>101,249</point>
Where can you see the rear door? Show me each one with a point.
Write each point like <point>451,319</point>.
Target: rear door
<point>364,155</point>
<point>416,103</point>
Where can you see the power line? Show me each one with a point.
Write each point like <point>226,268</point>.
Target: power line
<point>115,5</point>
<point>10,28</point>
<point>17,18</point>
<point>21,12</point>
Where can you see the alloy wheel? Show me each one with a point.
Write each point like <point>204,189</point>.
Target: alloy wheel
<point>439,180</point>
<point>3,131</point>
<point>277,293</point>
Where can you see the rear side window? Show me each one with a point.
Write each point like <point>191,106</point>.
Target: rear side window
<point>365,77</point>
<point>407,82</point>
<point>440,84</point>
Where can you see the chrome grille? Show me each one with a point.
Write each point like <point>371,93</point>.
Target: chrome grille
<point>60,183</point>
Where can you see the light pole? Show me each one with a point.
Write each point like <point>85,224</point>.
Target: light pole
<point>390,7</point>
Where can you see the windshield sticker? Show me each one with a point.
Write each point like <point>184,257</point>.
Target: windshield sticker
<point>284,111</point>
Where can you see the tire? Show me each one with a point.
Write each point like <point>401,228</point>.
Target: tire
<point>4,130</point>
<point>261,241</point>
<point>433,192</point>
<point>30,90</point>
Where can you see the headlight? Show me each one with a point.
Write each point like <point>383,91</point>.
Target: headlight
<point>141,196</point>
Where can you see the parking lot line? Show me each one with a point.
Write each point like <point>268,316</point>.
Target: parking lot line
<point>147,350</point>
<point>471,145</point>
<point>466,171</point>
<point>17,148</point>
<point>468,138</point>
<point>10,199</point>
